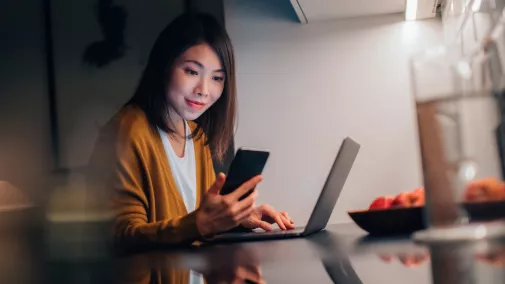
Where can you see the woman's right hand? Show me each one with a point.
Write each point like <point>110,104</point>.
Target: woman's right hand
<point>218,213</point>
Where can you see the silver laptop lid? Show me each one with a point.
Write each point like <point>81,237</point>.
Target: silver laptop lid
<point>333,186</point>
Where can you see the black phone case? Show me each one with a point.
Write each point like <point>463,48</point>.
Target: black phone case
<point>246,165</point>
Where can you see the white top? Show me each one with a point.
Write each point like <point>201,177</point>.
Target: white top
<point>183,169</point>
<point>184,173</point>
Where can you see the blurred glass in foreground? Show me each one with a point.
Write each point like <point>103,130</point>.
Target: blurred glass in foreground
<point>461,127</point>
<point>467,22</point>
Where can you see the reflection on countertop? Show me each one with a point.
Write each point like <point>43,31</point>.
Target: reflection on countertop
<point>73,252</point>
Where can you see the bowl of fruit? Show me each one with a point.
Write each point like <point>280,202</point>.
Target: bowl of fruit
<point>483,200</point>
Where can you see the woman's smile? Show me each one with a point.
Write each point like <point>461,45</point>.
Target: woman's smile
<point>195,104</point>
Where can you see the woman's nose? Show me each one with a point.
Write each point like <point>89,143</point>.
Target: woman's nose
<point>202,89</point>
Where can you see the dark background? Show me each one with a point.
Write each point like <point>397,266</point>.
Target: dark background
<point>31,98</point>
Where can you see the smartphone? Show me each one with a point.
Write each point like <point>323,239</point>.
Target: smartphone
<point>246,164</point>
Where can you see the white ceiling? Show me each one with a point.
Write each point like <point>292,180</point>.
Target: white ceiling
<point>315,10</point>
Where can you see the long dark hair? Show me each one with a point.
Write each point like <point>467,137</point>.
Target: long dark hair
<point>187,30</point>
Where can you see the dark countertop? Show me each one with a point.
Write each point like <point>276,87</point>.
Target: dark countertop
<point>341,254</point>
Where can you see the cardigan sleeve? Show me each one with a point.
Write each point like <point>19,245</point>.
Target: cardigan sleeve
<point>209,166</point>
<point>130,202</point>
<point>118,165</point>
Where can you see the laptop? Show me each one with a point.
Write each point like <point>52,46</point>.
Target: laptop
<point>324,206</point>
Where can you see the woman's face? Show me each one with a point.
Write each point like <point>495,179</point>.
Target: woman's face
<point>196,83</point>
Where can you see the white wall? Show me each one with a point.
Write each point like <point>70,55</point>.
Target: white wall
<point>303,88</point>
<point>316,10</point>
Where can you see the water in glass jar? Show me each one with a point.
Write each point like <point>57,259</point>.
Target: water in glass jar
<point>459,138</point>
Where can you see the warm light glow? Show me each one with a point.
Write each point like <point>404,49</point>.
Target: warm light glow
<point>410,33</point>
<point>476,5</point>
<point>411,10</point>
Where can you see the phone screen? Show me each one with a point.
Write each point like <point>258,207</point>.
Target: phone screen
<point>247,164</point>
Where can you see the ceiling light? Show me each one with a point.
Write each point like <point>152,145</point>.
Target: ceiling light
<point>411,10</point>
<point>420,9</point>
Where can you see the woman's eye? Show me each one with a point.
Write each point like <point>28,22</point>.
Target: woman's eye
<point>217,78</point>
<point>190,72</point>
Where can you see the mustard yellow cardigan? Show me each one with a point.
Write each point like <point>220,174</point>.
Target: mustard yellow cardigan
<point>129,162</point>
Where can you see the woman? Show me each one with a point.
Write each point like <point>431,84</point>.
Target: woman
<point>156,152</point>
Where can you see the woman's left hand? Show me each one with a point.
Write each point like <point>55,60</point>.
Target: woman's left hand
<point>265,215</point>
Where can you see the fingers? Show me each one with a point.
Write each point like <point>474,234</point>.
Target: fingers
<point>218,184</point>
<point>277,218</point>
<point>239,274</point>
<point>285,214</point>
<point>245,275</point>
<point>286,221</point>
<point>244,213</point>
<point>265,226</point>
<point>245,187</point>
<point>270,215</point>
<point>246,203</point>
<point>241,210</point>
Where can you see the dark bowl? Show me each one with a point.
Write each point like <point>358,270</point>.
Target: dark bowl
<point>394,221</point>
<point>402,221</point>
<point>485,211</point>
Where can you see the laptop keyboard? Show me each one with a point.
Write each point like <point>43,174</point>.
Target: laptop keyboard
<point>274,234</point>
<point>281,232</point>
